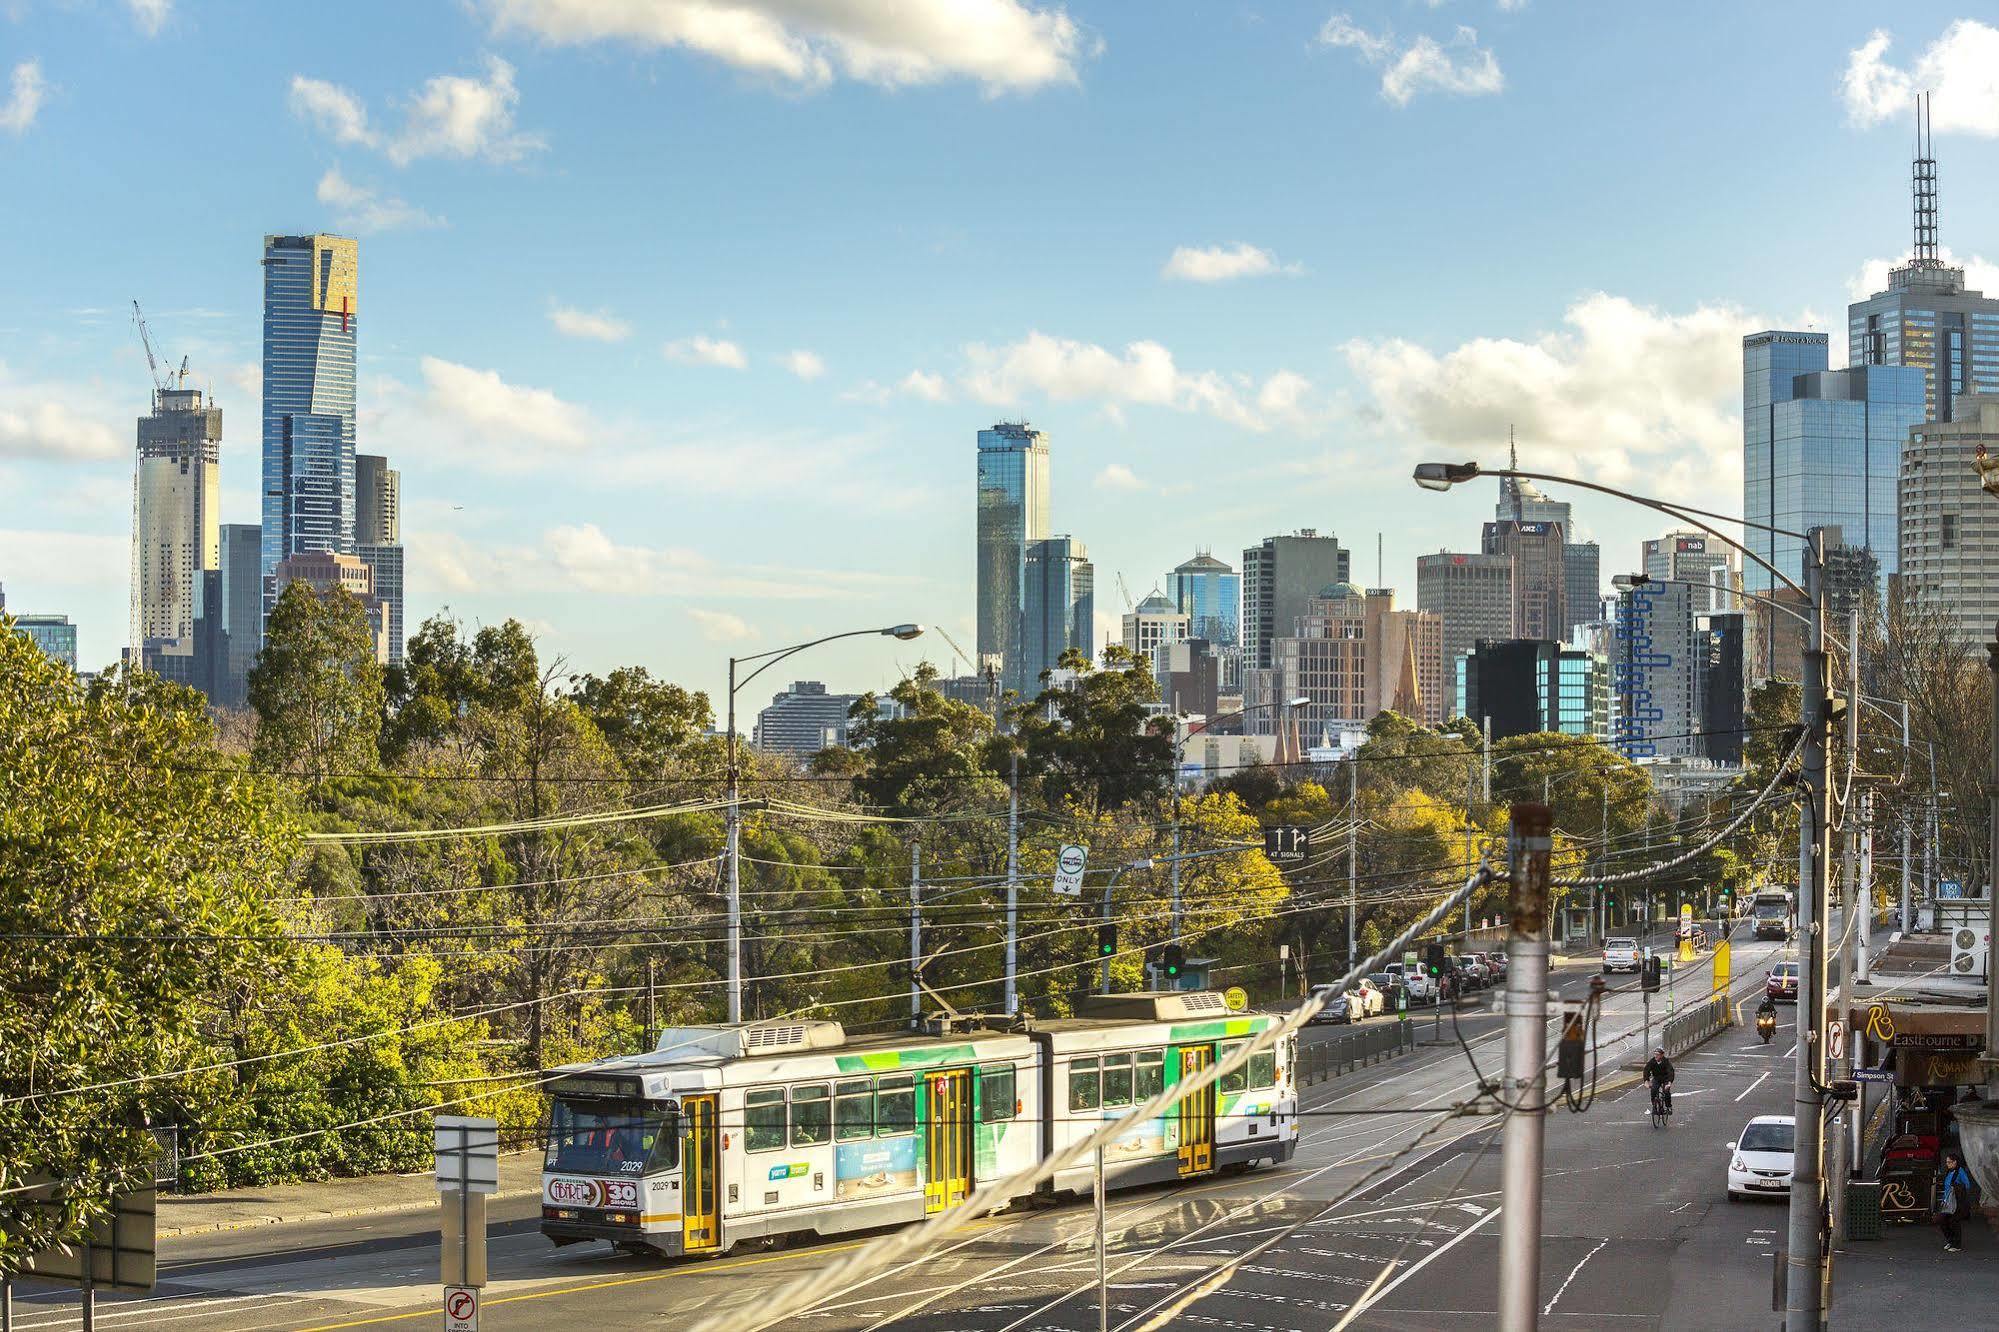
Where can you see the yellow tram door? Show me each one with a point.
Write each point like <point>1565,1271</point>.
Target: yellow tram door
<point>947,1145</point>
<point>700,1219</point>
<point>1197,1114</point>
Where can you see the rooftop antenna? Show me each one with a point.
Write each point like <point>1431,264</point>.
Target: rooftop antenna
<point>1923,186</point>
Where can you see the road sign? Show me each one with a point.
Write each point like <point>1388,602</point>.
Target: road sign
<point>468,1153</point>
<point>1235,998</point>
<point>1873,1075</point>
<point>116,1254</point>
<point>461,1309</point>
<point>1069,867</point>
<point>1950,888</point>
<point>1287,844</point>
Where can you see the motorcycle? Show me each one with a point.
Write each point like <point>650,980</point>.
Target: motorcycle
<point>1766,1023</point>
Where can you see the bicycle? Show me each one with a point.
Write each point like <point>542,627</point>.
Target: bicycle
<point>1662,1104</point>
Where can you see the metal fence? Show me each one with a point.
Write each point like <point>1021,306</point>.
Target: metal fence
<point>1694,1024</point>
<point>1367,1044</point>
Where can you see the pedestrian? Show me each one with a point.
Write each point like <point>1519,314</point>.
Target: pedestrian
<point>1954,1197</point>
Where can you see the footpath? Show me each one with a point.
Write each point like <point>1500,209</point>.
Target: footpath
<point>327,1200</point>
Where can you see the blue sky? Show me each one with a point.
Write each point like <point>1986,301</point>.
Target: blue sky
<point>679,317</point>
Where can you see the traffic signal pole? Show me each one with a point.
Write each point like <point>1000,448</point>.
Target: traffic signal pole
<point>1525,1089</point>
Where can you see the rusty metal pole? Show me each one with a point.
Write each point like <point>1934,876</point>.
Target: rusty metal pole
<point>1525,1087</point>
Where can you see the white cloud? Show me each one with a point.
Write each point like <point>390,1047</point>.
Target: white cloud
<point>925,385</point>
<point>1459,66</point>
<point>703,350</point>
<point>1218,263</point>
<point>804,364</point>
<point>597,326</point>
<point>364,209</point>
<point>24,101</point>
<point>489,405</point>
<point>1961,69</point>
<point>1980,274</point>
<point>1117,476</point>
<point>1004,45</point>
<point>1623,394</point>
<point>452,115</point>
<point>1144,375</point>
<point>720,626</point>
<point>150,15</point>
<point>868,391</point>
<point>42,427</point>
<point>337,112</point>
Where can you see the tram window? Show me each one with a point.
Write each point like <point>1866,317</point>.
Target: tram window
<point>811,1116</point>
<point>995,1093</point>
<point>1117,1079</point>
<point>853,1110</point>
<point>1238,1080</point>
<point>1151,1076</point>
<point>763,1120</point>
<point>895,1105</point>
<point>1263,1069</point>
<point>1084,1084</point>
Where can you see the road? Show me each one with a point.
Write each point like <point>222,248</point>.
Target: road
<point>1637,1232</point>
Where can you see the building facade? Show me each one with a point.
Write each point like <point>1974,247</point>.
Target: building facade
<point>1582,574</point>
<point>176,527</point>
<point>1472,595</point>
<point>1525,686</point>
<point>1540,574</point>
<point>803,720</point>
<point>242,609</point>
<point>53,634</point>
<point>1949,555</point>
<point>1189,672</point>
<point>378,538</point>
<point>1354,656</point>
<point>1724,686</point>
<point>324,571</point>
<point>1655,672</point>
<point>1012,515</point>
<point>1697,558</point>
<point>1209,593</point>
<point>1059,610</point>
<point>1280,579</point>
<point>311,319</point>
<point>1152,624</point>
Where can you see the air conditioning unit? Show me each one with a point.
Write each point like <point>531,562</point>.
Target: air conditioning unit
<point>1970,949</point>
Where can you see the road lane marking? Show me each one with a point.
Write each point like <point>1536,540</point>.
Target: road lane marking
<point>1754,1085</point>
<point>1423,1262</point>
<point>1561,1289</point>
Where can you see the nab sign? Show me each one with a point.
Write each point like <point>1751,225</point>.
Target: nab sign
<point>1287,844</point>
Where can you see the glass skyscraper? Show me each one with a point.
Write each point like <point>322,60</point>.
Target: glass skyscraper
<point>310,322</point>
<point>1059,608</point>
<point>1012,515</point>
<point>1209,593</point>
<point>1821,448</point>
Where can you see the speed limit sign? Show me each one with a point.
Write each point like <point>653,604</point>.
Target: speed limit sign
<point>461,1309</point>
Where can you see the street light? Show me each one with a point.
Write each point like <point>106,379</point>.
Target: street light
<point>903,632</point>
<point>1803,1294</point>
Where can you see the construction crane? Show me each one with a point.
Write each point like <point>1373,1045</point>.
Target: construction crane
<point>146,341</point>
<point>970,665</point>
<point>180,377</point>
<point>1124,592</point>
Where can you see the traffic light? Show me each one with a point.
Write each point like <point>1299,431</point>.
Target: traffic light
<point>1171,960</point>
<point>1106,940</point>
<point>1649,975</point>
<point>1433,960</point>
<point>1569,1053</point>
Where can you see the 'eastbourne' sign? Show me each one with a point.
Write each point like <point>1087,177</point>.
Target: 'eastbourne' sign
<point>1798,339</point>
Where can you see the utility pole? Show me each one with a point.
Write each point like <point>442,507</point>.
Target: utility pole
<point>735,847</point>
<point>1803,1262</point>
<point>1176,866</point>
<point>1485,783</point>
<point>652,1007</point>
<point>1013,886</point>
<point>1851,926</point>
<point>1353,852</point>
<point>1526,1084</point>
<point>915,930</point>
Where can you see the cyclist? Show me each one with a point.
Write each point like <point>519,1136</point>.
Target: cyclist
<point>1659,1076</point>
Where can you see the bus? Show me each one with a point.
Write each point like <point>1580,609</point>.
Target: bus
<point>1774,912</point>
<point>764,1130</point>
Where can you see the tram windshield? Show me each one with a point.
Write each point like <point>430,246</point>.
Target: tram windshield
<point>610,1138</point>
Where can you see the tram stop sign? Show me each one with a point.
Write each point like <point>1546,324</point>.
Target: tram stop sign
<point>461,1309</point>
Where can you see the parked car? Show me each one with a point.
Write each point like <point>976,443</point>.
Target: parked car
<point>1760,1161</point>
<point>1422,986</point>
<point>1621,954</point>
<point>1367,999</point>
<point>1394,995</point>
<point>1481,974</point>
<point>1335,1008</point>
<point>1782,983</point>
<point>1496,963</point>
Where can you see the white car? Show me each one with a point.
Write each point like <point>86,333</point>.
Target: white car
<point>1620,955</point>
<point>1759,1162</point>
<point>1367,999</point>
<point>1422,986</point>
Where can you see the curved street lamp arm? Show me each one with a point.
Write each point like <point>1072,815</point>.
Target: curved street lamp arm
<point>777,655</point>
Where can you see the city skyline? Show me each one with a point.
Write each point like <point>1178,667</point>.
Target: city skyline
<point>554,487</point>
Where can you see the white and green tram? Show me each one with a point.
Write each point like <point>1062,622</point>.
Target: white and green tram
<point>765,1130</point>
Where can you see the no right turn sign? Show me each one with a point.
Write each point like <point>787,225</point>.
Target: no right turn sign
<point>461,1309</point>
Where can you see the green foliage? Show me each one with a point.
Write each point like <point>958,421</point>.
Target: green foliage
<point>317,688</point>
<point>1094,744</point>
<point>932,757</point>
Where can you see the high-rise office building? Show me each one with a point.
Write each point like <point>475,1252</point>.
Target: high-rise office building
<point>242,609</point>
<point>324,571</point>
<point>1526,686</point>
<point>1582,574</point>
<point>1723,678</point>
<point>378,538</point>
<point>1927,318</point>
<point>1472,594</point>
<point>1153,623</point>
<point>176,539</point>
<point>1655,669</point>
<point>1693,557</point>
<point>1521,501</point>
<point>1280,579</point>
<point>1209,593</point>
<point>311,317</point>
<point>1012,515</point>
<point>53,634</point>
<point>1540,574</point>
<point>803,720</point>
<point>1950,526</point>
<point>1354,656</point>
<point>1058,611</point>
<point>1820,448</point>
<point>1190,677</point>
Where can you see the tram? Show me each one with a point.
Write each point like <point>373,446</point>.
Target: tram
<point>760,1131</point>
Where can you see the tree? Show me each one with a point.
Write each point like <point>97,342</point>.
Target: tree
<point>317,688</point>
<point>1095,743</point>
<point>646,722</point>
<point>935,754</point>
<point>133,866</point>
